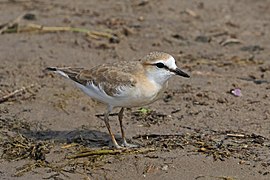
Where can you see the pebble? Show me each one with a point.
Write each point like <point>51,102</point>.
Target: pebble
<point>165,168</point>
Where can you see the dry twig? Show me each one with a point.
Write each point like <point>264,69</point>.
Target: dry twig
<point>12,94</point>
<point>50,29</point>
<point>10,24</point>
<point>236,135</point>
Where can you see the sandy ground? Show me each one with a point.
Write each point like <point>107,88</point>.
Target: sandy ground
<point>199,130</point>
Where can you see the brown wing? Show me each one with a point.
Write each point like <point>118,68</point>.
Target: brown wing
<point>109,77</point>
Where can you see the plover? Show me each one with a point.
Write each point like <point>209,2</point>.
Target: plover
<point>125,84</point>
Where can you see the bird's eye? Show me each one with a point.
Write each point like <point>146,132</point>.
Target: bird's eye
<point>160,65</point>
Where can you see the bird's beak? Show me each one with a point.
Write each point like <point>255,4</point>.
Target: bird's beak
<point>179,72</point>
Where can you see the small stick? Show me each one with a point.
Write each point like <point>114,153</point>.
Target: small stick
<point>230,41</point>
<point>69,146</point>
<point>10,95</point>
<point>236,135</point>
<point>191,13</point>
<point>48,29</point>
<point>10,24</point>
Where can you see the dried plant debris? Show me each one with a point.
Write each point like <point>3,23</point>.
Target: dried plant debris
<point>162,141</point>
<point>149,117</point>
<point>64,167</point>
<point>102,152</point>
<point>11,124</point>
<point>230,41</point>
<point>219,145</point>
<point>36,28</point>
<point>81,159</point>
<point>72,158</point>
<point>20,147</point>
<point>14,93</point>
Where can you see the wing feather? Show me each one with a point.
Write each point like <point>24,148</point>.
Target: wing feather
<point>113,78</point>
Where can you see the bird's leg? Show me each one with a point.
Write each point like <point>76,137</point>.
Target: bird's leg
<point>106,120</point>
<point>120,118</point>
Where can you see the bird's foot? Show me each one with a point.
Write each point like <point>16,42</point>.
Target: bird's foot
<point>115,145</point>
<point>125,144</point>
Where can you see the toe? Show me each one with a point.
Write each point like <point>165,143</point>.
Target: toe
<point>125,144</point>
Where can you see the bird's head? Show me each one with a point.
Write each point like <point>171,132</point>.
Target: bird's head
<point>160,66</point>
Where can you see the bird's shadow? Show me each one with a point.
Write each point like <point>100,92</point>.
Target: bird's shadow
<point>88,138</point>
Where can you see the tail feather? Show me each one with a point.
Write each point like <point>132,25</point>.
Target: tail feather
<point>67,72</point>
<point>51,68</point>
<point>59,71</point>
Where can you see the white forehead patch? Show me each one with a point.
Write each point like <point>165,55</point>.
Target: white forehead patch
<point>170,62</point>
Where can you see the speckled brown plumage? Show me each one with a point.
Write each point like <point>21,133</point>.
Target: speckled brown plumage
<point>108,76</point>
<point>153,56</point>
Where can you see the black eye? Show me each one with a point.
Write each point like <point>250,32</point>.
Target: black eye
<point>160,65</point>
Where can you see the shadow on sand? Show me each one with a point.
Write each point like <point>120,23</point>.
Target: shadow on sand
<point>88,138</point>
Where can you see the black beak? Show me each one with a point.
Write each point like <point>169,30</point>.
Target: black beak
<point>179,72</point>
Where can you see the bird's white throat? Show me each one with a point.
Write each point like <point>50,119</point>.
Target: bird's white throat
<point>161,76</point>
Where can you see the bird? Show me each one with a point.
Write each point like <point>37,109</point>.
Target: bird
<point>124,84</point>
